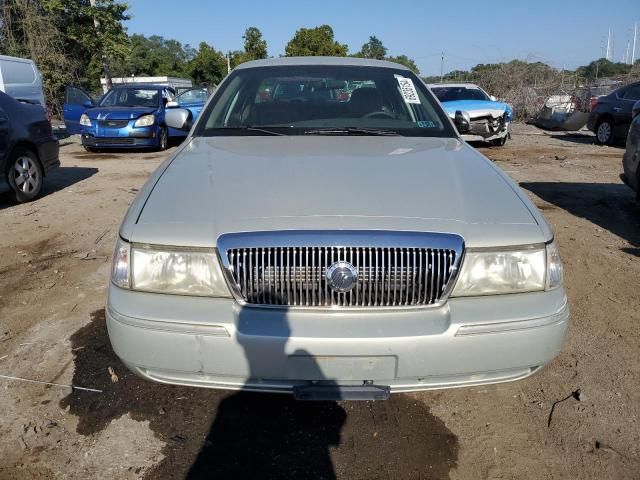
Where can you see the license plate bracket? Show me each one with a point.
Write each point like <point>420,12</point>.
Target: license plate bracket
<point>341,392</point>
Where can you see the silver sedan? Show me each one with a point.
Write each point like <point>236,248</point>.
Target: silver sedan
<point>324,231</point>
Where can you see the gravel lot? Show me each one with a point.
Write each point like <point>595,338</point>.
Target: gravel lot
<point>54,267</point>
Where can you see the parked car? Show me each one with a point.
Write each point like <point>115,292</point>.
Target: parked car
<point>20,79</point>
<point>332,249</point>
<point>193,100</point>
<point>488,119</point>
<point>631,158</point>
<point>611,116</point>
<point>28,149</point>
<point>128,116</point>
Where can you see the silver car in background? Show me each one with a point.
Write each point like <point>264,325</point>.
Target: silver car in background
<point>332,245</point>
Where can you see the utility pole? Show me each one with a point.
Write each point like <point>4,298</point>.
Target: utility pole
<point>608,45</point>
<point>105,65</point>
<point>228,62</point>
<point>633,50</point>
<point>441,67</point>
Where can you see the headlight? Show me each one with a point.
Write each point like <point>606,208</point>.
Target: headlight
<point>145,121</point>
<point>85,120</point>
<point>503,271</point>
<point>169,270</point>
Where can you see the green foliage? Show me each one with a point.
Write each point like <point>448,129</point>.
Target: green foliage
<point>373,49</point>
<point>28,30</point>
<point>154,56</point>
<point>406,61</point>
<point>255,47</point>
<point>208,66</point>
<point>603,68</point>
<point>84,41</point>
<point>316,41</point>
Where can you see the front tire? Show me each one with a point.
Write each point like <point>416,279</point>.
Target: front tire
<point>499,142</point>
<point>163,139</point>
<point>604,132</point>
<point>25,175</point>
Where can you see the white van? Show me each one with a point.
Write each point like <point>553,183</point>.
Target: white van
<point>20,79</point>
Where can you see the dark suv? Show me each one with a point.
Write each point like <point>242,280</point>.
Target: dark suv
<point>611,115</point>
<point>28,149</point>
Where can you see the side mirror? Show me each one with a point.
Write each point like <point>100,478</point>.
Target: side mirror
<point>493,99</point>
<point>88,103</point>
<point>635,110</point>
<point>462,122</point>
<point>172,104</point>
<point>178,118</point>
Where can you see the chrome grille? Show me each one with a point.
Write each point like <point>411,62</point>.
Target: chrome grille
<point>294,276</point>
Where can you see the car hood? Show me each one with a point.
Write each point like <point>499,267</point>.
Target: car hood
<point>118,113</point>
<point>218,185</point>
<point>477,108</point>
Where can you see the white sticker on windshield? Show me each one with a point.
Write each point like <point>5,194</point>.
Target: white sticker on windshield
<point>408,89</point>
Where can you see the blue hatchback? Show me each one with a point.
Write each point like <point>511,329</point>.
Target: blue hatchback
<point>130,116</point>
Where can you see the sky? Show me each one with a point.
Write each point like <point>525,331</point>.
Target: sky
<point>559,32</point>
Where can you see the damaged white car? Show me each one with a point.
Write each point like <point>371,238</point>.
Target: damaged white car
<point>484,118</point>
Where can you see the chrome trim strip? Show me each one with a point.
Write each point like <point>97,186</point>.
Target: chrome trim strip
<point>514,325</point>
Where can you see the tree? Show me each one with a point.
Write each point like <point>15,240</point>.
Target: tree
<point>155,56</point>
<point>406,61</point>
<point>602,68</point>
<point>254,46</point>
<point>208,67</point>
<point>29,30</point>
<point>317,41</point>
<point>75,21</point>
<point>373,49</point>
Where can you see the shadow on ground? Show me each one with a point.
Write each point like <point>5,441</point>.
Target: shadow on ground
<point>56,180</point>
<point>211,434</point>
<point>583,139</point>
<point>611,206</point>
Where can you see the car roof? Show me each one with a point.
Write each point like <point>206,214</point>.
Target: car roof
<point>332,61</point>
<point>454,85</point>
<point>16,59</point>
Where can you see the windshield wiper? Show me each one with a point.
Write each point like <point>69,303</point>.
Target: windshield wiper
<point>247,128</point>
<point>352,131</point>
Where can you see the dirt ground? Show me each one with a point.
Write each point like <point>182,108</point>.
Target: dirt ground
<point>54,266</point>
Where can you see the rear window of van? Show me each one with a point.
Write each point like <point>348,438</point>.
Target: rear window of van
<point>17,72</point>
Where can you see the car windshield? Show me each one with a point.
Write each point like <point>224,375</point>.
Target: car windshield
<point>319,100</point>
<point>131,97</point>
<point>449,94</point>
<point>196,95</point>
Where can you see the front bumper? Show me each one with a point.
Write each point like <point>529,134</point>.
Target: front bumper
<point>481,132</point>
<point>219,344</point>
<point>125,137</point>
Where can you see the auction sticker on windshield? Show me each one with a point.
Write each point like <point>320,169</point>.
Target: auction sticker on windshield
<point>408,89</point>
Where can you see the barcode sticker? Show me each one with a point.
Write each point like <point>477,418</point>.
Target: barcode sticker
<point>408,90</point>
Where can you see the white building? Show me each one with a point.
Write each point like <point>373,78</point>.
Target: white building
<point>173,82</point>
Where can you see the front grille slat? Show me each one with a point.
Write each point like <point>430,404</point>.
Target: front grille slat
<point>295,276</point>
<point>113,123</point>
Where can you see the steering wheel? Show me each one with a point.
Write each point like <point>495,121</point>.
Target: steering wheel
<point>378,114</point>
